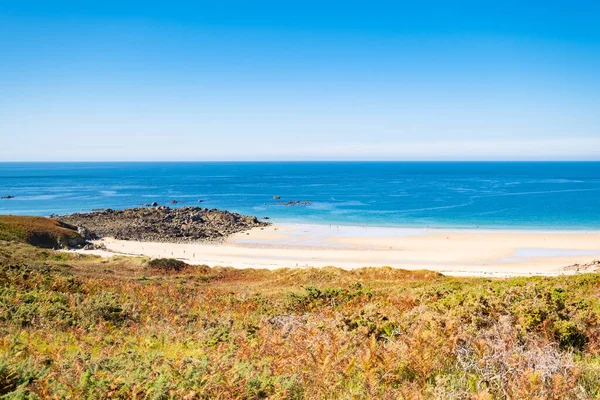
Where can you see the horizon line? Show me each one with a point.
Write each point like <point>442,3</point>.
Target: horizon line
<point>298,161</point>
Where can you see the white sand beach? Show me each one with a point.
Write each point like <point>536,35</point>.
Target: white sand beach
<point>494,253</point>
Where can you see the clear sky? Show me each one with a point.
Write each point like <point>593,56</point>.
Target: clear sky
<point>299,80</point>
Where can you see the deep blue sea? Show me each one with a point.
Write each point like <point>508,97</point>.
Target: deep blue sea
<point>546,195</point>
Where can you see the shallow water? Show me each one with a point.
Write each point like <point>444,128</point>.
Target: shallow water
<point>549,195</point>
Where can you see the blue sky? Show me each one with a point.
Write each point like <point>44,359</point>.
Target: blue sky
<point>223,80</point>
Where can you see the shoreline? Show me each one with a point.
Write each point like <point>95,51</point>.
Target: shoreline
<point>479,228</point>
<point>467,229</point>
<point>489,253</point>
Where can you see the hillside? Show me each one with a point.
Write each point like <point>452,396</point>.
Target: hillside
<point>85,327</point>
<point>38,231</point>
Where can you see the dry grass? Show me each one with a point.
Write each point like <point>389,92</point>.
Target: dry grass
<point>38,231</point>
<point>86,327</point>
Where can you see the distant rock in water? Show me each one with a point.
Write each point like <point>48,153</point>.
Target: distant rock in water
<point>7,197</point>
<point>276,197</point>
<point>173,201</point>
<point>162,224</point>
<point>295,203</point>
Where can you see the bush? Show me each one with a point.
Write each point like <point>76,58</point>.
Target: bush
<point>167,264</point>
<point>9,379</point>
<point>104,306</point>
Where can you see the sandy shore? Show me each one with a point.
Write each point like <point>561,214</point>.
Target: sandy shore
<point>495,253</point>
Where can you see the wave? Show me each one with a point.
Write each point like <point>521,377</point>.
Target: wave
<point>41,197</point>
<point>538,192</point>
<point>114,193</point>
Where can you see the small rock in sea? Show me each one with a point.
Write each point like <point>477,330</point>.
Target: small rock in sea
<point>154,204</point>
<point>295,203</point>
<point>265,217</point>
<point>7,197</point>
<point>276,197</point>
<point>200,201</point>
<point>173,201</point>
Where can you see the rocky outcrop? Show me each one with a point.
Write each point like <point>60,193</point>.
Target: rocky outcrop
<point>161,224</point>
<point>593,266</point>
<point>7,197</point>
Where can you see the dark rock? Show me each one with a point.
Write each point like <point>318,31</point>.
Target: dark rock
<point>85,233</point>
<point>295,203</point>
<point>593,266</point>
<point>7,197</point>
<point>276,197</point>
<point>265,217</point>
<point>173,201</point>
<point>162,224</point>
<point>200,201</point>
<point>154,204</point>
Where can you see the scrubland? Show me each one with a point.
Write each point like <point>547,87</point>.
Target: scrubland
<point>74,326</point>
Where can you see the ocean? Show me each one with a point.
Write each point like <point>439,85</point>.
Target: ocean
<point>514,195</point>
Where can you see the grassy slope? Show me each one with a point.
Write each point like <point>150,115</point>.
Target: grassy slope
<point>85,327</point>
<point>39,231</point>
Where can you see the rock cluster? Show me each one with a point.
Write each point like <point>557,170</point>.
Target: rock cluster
<point>162,224</point>
<point>589,267</point>
<point>295,203</point>
<point>7,197</point>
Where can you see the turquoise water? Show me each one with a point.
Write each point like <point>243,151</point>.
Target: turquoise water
<point>548,195</point>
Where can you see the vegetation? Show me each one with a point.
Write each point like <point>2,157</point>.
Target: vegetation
<point>38,231</point>
<point>167,264</point>
<point>75,326</point>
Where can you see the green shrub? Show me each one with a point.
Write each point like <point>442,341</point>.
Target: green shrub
<point>104,306</point>
<point>167,264</point>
